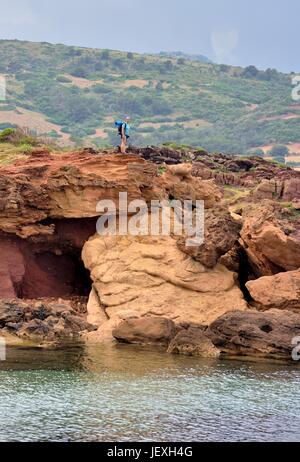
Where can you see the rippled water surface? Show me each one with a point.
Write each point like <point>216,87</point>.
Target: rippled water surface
<point>128,394</point>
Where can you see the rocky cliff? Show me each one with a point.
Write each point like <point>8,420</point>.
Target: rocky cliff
<point>237,293</point>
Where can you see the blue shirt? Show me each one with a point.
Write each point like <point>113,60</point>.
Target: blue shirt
<point>126,129</point>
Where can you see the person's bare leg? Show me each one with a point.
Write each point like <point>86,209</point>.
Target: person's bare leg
<point>123,145</point>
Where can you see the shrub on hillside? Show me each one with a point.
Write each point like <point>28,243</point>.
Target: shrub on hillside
<point>18,137</point>
<point>79,72</point>
<point>6,134</point>
<point>63,79</point>
<point>279,151</point>
<point>105,55</point>
<point>256,152</point>
<point>25,148</point>
<point>250,72</point>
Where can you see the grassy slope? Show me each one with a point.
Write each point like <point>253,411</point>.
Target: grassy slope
<point>9,154</point>
<point>82,90</point>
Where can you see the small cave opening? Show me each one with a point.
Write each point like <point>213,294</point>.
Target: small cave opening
<point>55,275</point>
<point>48,265</point>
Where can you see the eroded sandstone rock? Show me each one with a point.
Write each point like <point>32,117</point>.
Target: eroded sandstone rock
<point>193,342</point>
<point>48,211</point>
<point>150,276</point>
<point>69,185</point>
<point>145,331</point>
<point>279,291</point>
<point>269,189</point>
<point>251,333</point>
<point>221,232</point>
<point>176,183</point>
<point>270,239</point>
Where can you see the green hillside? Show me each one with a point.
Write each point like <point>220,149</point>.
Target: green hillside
<point>73,93</point>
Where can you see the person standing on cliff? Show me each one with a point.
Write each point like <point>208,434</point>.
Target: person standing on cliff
<point>124,132</point>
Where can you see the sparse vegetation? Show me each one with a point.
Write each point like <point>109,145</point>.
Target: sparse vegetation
<point>16,142</point>
<point>256,152</point>
<point>279,152</point>
<point>79,88</point>
<point>161,170</point>
<point>18,137</point>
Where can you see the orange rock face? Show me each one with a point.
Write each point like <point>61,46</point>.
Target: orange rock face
<point>270,239</point>
<point>279,291</point>
<point>48,210</point>
<point>155,289</point>
<point>70,186</point>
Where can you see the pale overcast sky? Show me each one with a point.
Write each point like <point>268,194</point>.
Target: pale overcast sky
<point>260,32</point>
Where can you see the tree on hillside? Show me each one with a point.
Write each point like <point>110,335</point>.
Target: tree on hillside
<point>105,55</point>
<point>269,74</point>
<point>159,86</point>
<point>79,72</point>
<point>279,152</point>
<point>73,52</point>
<point>250,72</point>
<point>98,66</point>
<point>118,63</point>
<point>256,152</point>
<point>169,65</point>
<point>224,68</point>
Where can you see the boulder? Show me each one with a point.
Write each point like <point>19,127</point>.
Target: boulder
<point>150,276</point>
<point>221,233</point>
<point>280,291</point>
<point>183,171</point>
<point>233,259</point>
<point>145,331</point>
<point>193,342</point>
<point>41,322</point>
<point>12,312</point>
<point>270,238</point>
<point>268,189</point>
<point>291,190</point>
<point>269,334</point>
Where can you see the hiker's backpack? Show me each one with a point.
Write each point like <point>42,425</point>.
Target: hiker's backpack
<point>119,124</point>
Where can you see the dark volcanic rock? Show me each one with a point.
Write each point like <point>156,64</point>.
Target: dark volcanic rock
<point>11,312</point>
<point>193,342</point>
<point>159,155</point>
<point>246,333</point>
<point>41,322</point>
<point>220,235</point>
